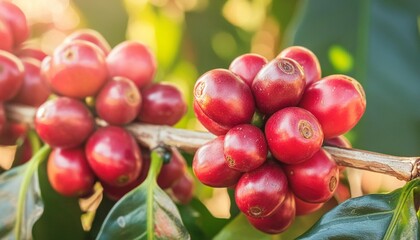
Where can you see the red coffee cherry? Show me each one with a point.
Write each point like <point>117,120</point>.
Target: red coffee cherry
<point>16,20</point>
<point>162,104</point>
<point>69,173</point>
<point>92,36</point>
<point>279,84</point>
<point>247,66</point>
<point>278,221</point>
<point>303,208</point>
<point>224,98</point>
<point>307,59</point>
<point>207,122</point>
<point>77,69</point>
<point>33,91</point>
<point>315,179</point>
<point>115,193</point>
<point>245,147</point>
<point>337,101</point>
<point>64,122</point>
<point>293,135</point>
<point>26,51</point>
<point>210,167</point>
<point>114,156</point>
<point>119,101</point>
<point>173,170</point>
<point>134,61</point>
<point>11,75</point>
<point>340,141</point>
<point>183,189</point>
<point>2,118</point>
<point>261,191</point>
<point>6,36</point>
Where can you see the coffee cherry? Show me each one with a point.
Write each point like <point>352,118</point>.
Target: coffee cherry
<point>207,122</point>
<point>210,167</point>
<point>278,221</point>
<point>114,156</point>
<point>304,208</point>
<point>63,122</point>
<point>92,36</point>
<point>224,98</point>
<point>69,173</point>
<point>315,179</point>
<point>33,91</point>
<point>247,66</point>
<point>162,104</point>
<point>307,59</point>
<point>183,189</point>
<point>6,36</point>
<point>245,147</point>
<point>261,191</point>
<point>77,69</point>
<point>115,193</point>
<point>340,141</point>
<point>337,101</point>
<point>119,101</point>
<point>25,51</point>
<point>172,171</point>
<point>16,20</point>
<point>11,75</point>
<point>293,135</point>
<point>2,117</point>
<point>134,61</point>
<point>279,84</point>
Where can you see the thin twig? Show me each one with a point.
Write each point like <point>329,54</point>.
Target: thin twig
<point>403,168</point>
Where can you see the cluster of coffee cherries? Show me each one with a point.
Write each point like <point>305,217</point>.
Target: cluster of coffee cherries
<point>92,80</point>
<point>20,78</point>
<point>271,119</point>
<point>84,80</point>
<point>116,85</point>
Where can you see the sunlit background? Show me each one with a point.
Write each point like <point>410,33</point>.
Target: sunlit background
<point>190,37</point>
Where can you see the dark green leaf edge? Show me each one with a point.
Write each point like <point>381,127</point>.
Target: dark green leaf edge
<point>407,192</point>
<point>411,189</point>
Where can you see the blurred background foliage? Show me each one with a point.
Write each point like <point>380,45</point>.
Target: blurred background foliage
<point>375,41</point>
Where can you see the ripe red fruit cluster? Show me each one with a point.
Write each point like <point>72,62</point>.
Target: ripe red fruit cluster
<point>277,168</point>
<point>20,75</point>
<point>119,82</point>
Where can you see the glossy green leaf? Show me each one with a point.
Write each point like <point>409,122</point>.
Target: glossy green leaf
<point>376,216</point>
<point>378,44</point>
<point>10,182</point>
<point>22,196</point>
<point>147,212</point>
<point>200,223</point>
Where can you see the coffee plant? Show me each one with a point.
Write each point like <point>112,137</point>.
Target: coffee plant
<point>94,145</point>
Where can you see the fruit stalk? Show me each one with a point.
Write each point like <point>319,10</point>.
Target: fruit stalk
<point>403,168</point>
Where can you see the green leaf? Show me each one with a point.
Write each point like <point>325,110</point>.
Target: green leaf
<point>145,213</point>
<point>376,216</point>
<point>21,198</point>
<point>200,223</point>
<point>61,218</point>
<point>101,213</point>
<point>376,42</point>
<point>10,182</point>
